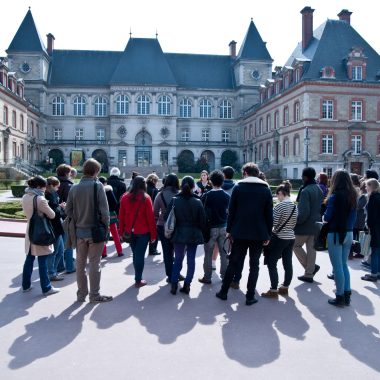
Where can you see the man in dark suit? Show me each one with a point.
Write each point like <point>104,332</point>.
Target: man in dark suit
<point>249,226</point>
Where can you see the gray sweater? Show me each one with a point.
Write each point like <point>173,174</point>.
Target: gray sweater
<point>309,210</point>
<point>80,206</point>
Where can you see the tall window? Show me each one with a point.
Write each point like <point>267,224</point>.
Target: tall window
<point>357,73</point>
<point>327,144</point>
<point>205,109</point>
<point>185,135</point>
<point>14,122</point>
<point>122,105</point>
<point>297,112</point>
<point>356,110</point>
<point>100,134</point>
<point>286,116</point>
<point>58,106</point>
<point>143,105</point>
<point>328,171</point>
<point>205,135</point>
<point>164,157</point>
<point>296,146</point>
<point>269,151</point>
<point>79,133</point>
<point>327,109</point>
<point>276,120</point>
<point>22,123</point>
<point>164,105</point>
<point>260,152</point>
<point>269,123</point>
<point>57,134</point>
<point>185,108</point>
<point>286,148</point>
<point>5,115</point>
<point>261,129</point>
<point>356,141</point>
<point>225,135</point>
<point>79,106</point>
<point>225,110</point>
<point>100,106</point>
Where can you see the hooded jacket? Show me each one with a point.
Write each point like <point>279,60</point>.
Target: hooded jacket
<point>228,185</point>
<point>250,212</point>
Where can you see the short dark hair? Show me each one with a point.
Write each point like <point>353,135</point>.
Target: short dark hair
<point>187,185</point>
<point>36,182</point>
<point>52,181</point>
<point>91,167</point>
<point>217,178</point>
<point>63,170</point>
<point>355,179</point>
<point>251,169</point>
<point>309,173</point>
<point>370,173</point>
<point>228,172</point>
<point>171,180</point>
<point>102,180</point>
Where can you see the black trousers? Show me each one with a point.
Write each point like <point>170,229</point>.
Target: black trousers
<point>281,248</point>
<point>236,262</point>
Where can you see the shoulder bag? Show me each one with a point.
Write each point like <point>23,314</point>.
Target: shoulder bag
<point>170,222</point>
<point>40,229</point>
<point>320,239</point>
<point>99,232</point>
<point>127,236</point>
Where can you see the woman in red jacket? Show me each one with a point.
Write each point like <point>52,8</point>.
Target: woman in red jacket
<point>136,217</point>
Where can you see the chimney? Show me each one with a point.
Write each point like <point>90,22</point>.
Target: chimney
<point>307,26</point>
<point>345,15</point>
<point>232,46</point>
<point>50,43</point>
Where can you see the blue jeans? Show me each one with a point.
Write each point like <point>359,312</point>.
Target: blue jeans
<point>67,261</point>
<point>167,250</point>
<point>179,249</point>
<point>139,244</point>
<point>375,261</point>
<point>54,259</point>
<point>338,256</point>
<point>42,268</point>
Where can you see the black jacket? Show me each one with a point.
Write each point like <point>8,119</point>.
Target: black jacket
<point>190,219</point>
<point>118,185</point>
<point>151,190</point>
<point>373,219</point>
<point>250,213</point>
<point>112,203</point>
<point>54,202</point>
<point>64,188</point>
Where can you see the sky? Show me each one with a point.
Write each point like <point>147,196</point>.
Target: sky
<point>193,26</point>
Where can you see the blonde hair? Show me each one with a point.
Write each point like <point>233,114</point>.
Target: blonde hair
<point>152,178</point>
<point>374,184</point>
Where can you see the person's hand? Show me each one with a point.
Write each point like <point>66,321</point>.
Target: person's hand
<point>63,205</point>
<point>265,243</point>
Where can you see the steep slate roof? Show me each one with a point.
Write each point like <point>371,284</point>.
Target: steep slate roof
<point>27,37</point>
<point>143,63</point>
<point>253,46</point>
<point>331,44</point>
<point>76,68</point>
<point>201,71</point>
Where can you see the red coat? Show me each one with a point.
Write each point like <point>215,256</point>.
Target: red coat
<point>145,222</point>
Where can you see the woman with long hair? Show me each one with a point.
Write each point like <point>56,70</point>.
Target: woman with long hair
<point>136,218</point>
<point>35,195</point>
<point>373,223</point>
<point>204,184</point>
<point>188,233</point>
<point>340,216</point>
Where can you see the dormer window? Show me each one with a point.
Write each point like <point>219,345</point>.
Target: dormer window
<point>356,64</point>
<point>328,72</point>
<point>357,73</point>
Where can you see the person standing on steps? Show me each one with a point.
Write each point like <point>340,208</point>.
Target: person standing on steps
<point>309,200</point>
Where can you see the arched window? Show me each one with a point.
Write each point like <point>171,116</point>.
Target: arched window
<point>58,106</point>
<point>185,108</point>
<point>5,115</point>
<point>122,105</point>
<point>269,123</point>
<point>286,116</point>
<point>79,106</point>
<point>225,110</point>
<point>143,105</point>
<point>261,126</point>
<point>164,105</point>
<point>205,108</point>
<point>100,106</point>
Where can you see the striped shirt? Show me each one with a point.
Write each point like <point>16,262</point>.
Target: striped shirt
<point>281,213</point>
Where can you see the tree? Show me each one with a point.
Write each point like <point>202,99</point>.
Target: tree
<point>229,158</point>
<point>201,164</point>
<point>185,162</point>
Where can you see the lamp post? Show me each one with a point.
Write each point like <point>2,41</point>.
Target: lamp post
<point>306,142</point>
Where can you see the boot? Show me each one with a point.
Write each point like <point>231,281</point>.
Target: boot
<point>347,297</point>
<point>174,288</point>
<point>185,289</point>
<point>337,301</point>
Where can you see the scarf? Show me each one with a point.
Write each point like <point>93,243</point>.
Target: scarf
<point>35,191</point>
<point>305,184</point>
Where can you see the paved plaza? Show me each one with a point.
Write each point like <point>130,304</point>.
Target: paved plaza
<point>150,334</point>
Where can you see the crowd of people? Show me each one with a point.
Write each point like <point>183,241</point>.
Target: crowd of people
<point>229,218</point>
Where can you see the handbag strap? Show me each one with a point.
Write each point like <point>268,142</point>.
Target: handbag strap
<point>96,210</point>
<point>287,220</point>
<point>35,204</point>
<point>137,211</point>
<point>163,199</point>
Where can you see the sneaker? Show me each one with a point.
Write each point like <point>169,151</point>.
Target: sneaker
<point>251,301</point>
<point>316,269</point>
<point>51,291</point>
<point>140,284</point>
<point>221,296</point>
<point>100,299</point>
<point>283,290</point>
<point>155,253</point>
<point>330,276</point>
<point>27,290</point>
<point>234,285</point>
<point>305,279</point>
<point>366,264</point>
<point>120,254</point>
<point>370,277</point>
<point>358,256</point>
<point>181,278</point>
<point>71,271</point>
<point>104,256</point>
<point>204,280</point>
<point>271,293</point>
<point>56,278</point>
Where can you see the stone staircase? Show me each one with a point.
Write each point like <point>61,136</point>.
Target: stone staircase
<point>126,171</point>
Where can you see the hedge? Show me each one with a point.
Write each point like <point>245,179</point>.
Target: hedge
<point>18,190</point>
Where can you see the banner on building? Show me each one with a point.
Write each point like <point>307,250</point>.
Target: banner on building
<point>76,158</point>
